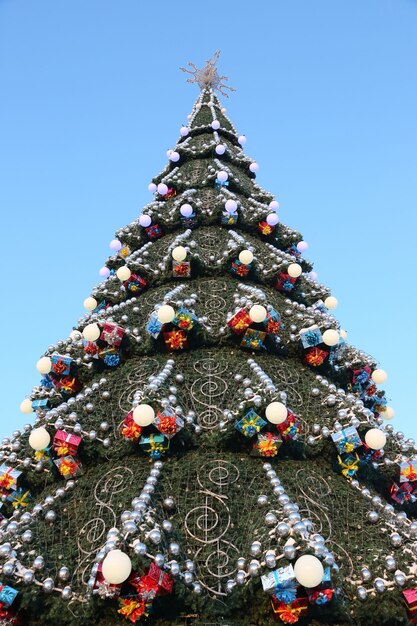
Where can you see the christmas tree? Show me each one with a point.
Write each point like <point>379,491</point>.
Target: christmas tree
<point>207,447</point>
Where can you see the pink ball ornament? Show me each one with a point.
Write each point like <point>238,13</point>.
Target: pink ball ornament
<point>186,210</point>
<point>152,187</point>
<point>220,149</point>
<point>215,125</point>
<point>115,245</point>
<point>313,275</point>
<point>184,130</point>
<point>242,140</point>
<point>254,167</point>
<point>145,220</point>
<point>274,205</point>
<point>174,156</point>
<point>302,246</point>
<point>222,176</point>
<point>104,272</point>
<point>231,206</point>
<point>272,219</point>
<point>162,189</point>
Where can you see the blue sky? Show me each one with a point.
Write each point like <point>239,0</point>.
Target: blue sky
<point>91,98</point>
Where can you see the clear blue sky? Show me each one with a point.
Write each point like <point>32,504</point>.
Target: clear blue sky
<point>91,98</point>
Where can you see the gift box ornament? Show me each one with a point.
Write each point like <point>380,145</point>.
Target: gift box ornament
<point>315,356</point>
<point>124,251</point>
<point>368,455</point>
<point>336,352</point>
<point>410,597</point>
<point>281,583</point>
<point>176,340</point>
<point>348,464</point>
<point>154,326</point>
<point>7,595</point>
<point>154,445</point>
<point>320,306</point>
<point>190,221</point>
<point>20,499</point>
<point>181,269</point>
<point>347,439</point>
<point>253,339</point>
<point>129,429</point>
<point>47,382</point>
<point>284,282</point>
<point>168,423</point>
<point>289,613</point>
<point>311,336</point>
<point>135,284</point>
<point>240,269</point>
<point>42,405</point>
<point>290,428</point>
<point>293,251</point>
<point>403,493</point>
<point>104,588</point>
<point>361,378</point>
<point>265,229</point>
<point>153,231</point>
<point>171,193</point>
<point>133,609</point>
<point>110,356</point>
<point>184,319</point>
<point>408,471</point>
<point>267,445</point>
<point>9,478</point>
<point>68,385</point>
<point>240,321</point>
<point>323,593</point>
<point>66,443</point>
<point>61,365</point>
<point>112,334</point>
<point>229,219</point>
<point>250,424</point>
<point>272,322</point>
<point>160,580</point>
<point>68,467</point>
<point>91,348</point>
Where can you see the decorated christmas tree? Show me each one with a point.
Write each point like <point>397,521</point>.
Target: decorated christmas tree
<point>206,447</point>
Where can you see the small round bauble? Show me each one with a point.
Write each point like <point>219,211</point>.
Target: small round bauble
<point>165,314</point>
<point>220,149</point>
<point>174,156</point>
<point>116,567</point>
<point>26,406</point>
<point>115,245</point>
<point>254,167</point>
<point>104,272</point>
<point>331,337</point>
<point>91,332</point>
<point>162,189</point>
<point>308,571</point>
<point>387,413</point>
<point>257,313</point>
<point>145,220</point>
<point>246,257</point>
<point>179,253</point>
<point>375,439</point>
<point>184,130</point>
<point>39,438</point>
<point>272,219</point>
<point>276,412</point>
<point>302,246</point>
<point>343,333</point>
<point>222,176</point>
<point>186,210</point>
<point>123,273</point>
<point>274,205</point>
<point>44,365</point>
<point>90,303</point>
<point>242,140</point>
<point>215,124</point>
<point>331,302</point>
<point>379,376</point>
<point>152,187</point>
<point>230,206</point>
<point>294,270</point>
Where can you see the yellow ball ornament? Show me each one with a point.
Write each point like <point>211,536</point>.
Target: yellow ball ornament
<point>246,257</point>
<point>276,412</point>
<point>143,415</point>
<point>123,273</point>
<point>179,254</point>
<point>379,376</point>
<point>331,302</point>
<point>330,337</point>
<point>165,314</point>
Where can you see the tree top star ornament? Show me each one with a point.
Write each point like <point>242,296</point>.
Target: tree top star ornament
<point>208,76</point>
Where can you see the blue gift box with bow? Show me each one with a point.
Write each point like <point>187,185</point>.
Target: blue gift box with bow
<point>281,583</point>
<point>250,424</point>
<point>347,440</point>
<point>154,326</point>
<point>40,404</point>
<point>311,337</point>
<point>7,595</point>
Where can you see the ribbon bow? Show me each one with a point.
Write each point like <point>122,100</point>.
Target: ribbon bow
<point>349,466</point>
<point>133,609</point>
<point>7,480</point>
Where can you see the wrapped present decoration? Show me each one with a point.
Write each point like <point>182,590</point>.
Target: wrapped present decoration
<point>181,269</point>
<point>320,306</point>
<point>112,334</point>
<point>68,385</point>
<point>154,326</point>
<point>311,336</point>
<point>272,322</point>
<point>68,467</point>
<point>184,319</point>
<point>267,445</point>
<point>240,269</point>
<point>104,588</point>
<point>9,478</point>
<point>20,499</point>
<point>250,424</point>
<point>323,593</point>
<point>171,193</point>
<point>240,321</point>
<point>369,455</point>
<point>404,492</point>
<point>129,429</point>
<point>124,251</point>
<point>153,231</point>
<point>293,250</point>
<point>315,356</point>
<point>47,382</point>
<point>7,595</point>
<point>289,613</point>
<point>168,423</point>
<point>133,609</point>
<point>176,340</point>
<point>410,597</point>
<point>349,464</point>
<point>102,306</point>
<point>284,282</point>
<point>281,583</point>
<point>361,378</point>
<point>110,356</point>
<point>253,339</point>
<point>40,404</point>
<point>347,439</point>
<point>91,348</point>
<point>135,284</point>
<point>408,471</point>
<point>265,229</point>
<point>61,365</point>
<point>154,445</point>
<point>289,429</point>
<point>160,580</point>
<point>66,443</point>
<point>230,219</point>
